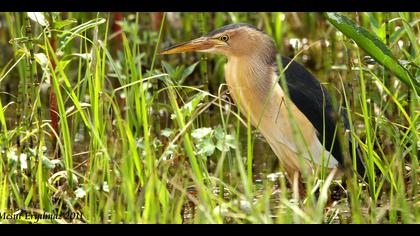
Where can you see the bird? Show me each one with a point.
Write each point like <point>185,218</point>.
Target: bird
<point>252,76</point>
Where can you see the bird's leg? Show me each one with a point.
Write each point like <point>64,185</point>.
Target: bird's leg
<point>299,190</point>
<point>295,184</point>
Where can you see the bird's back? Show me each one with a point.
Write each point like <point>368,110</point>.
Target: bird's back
<point>313,100</point>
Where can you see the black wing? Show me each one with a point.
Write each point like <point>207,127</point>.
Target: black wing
<point>312,99</point>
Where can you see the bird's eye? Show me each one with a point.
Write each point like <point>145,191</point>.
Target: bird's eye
<point>224,38</point>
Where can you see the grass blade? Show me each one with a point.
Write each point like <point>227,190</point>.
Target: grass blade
<point>373,46</point>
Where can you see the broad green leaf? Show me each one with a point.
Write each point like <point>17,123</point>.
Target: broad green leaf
<point>190,106</point>
<point>188,71</point>
<point>48,163</point>
<point>219,132</point>
<point>201,132</point>
<point>373,46</point>
<point>168,68</point>
<point>180,73</point>
<point>206,147</point>
<point>63,23</point>
<point>167,132</point>
<point>224,141</point>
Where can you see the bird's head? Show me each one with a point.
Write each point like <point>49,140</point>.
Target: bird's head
<point>235,40</point>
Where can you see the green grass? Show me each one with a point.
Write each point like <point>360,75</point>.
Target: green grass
<point>146,138</point>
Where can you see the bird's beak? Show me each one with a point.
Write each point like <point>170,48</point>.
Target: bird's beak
<point>197,45</point>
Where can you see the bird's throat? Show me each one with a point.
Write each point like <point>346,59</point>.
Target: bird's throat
<point>252,87</point>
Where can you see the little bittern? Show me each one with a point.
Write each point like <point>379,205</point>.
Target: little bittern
<point>252,76</point>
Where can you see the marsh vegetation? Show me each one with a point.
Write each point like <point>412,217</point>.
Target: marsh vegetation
<point>94,122</point>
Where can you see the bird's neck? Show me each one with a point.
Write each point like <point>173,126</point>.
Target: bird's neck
<point>250,72</point>
<point>251,85</point>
